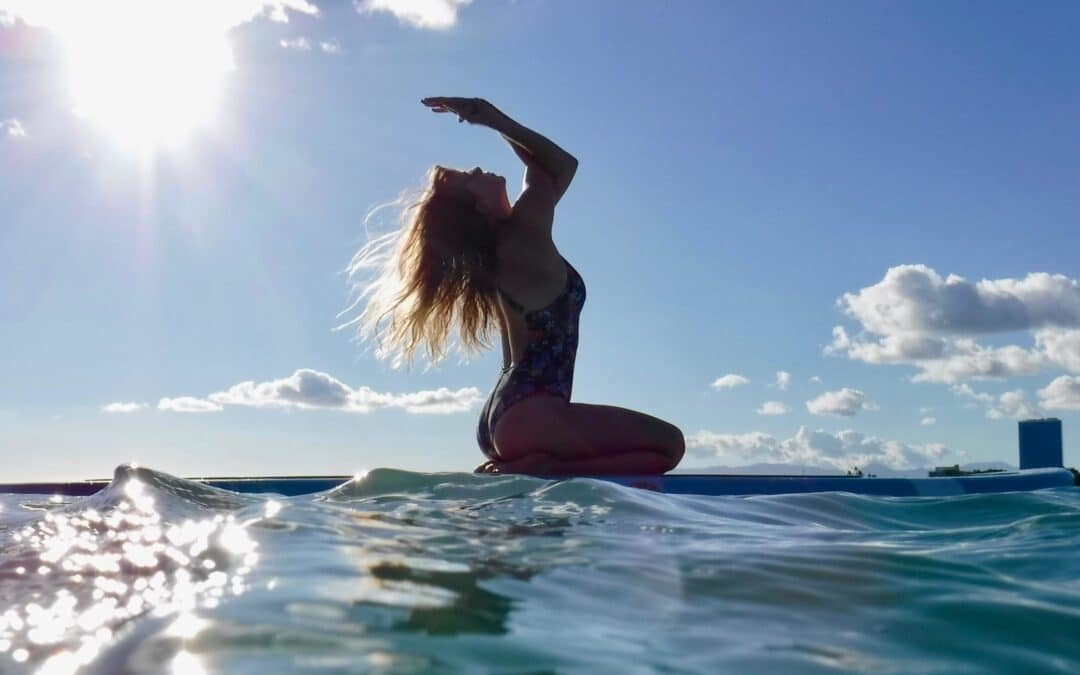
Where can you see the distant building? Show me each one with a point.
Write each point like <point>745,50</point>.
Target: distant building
<point>953,470</point>
<point>1040,443</point>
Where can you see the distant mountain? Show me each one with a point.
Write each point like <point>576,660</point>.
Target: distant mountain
<point>982,466</point>
<point>879,470</point>
<point>764,469</point>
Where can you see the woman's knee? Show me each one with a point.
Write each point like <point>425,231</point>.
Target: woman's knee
<point>674,444</point>
<point>668,438</point>
<point>678,443</point>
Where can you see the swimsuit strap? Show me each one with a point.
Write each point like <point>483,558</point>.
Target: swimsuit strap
<point>510,301</point>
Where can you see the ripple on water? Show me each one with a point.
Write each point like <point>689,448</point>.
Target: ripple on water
<point>408,572</point>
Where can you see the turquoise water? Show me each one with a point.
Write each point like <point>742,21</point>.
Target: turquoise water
<point>403,572</point>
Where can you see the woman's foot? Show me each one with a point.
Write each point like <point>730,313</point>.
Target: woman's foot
<point>535,464</point>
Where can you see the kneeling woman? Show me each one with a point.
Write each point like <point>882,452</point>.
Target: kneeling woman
<point>465,256</point>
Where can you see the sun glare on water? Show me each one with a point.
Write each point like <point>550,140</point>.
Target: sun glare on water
<point>149,76</point>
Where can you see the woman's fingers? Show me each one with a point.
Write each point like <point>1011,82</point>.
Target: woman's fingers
<point>436,100</point>
<point>448,102</point>
<point>465,108</point>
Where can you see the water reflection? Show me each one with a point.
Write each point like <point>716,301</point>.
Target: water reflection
<point>75,575</point>
<point>468,608</point>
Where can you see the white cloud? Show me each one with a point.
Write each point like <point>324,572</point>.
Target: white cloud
<point>1011,404</point>
<point>755,445</point>
<point>915,316</point>
<point>1063,393</point>
<point>330,46</point>
<point>970,361</point>
<point>188,404</point>
<point>845,402</point>
<point>772,408</point>
<point>55,14</point>
<point>1061,347</point>
<point>928,420</point>
<point>966,391</point>
<point>729,381</point>
<point>783,378</point>
<point>300,44</point>
<point>434,14</point>
<point>815,378</point>
<point>440,401</point>
<point>842,450</point>
<point>123,407</point>
<point>305,388</point>
<point>887,349</point>
<point>12,128</point>
<point>916,299</point>
<point>311,389</point>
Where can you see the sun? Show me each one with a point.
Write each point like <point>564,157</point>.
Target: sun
<point>151,79</point>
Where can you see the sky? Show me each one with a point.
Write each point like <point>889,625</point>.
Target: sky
<point>833,234</point>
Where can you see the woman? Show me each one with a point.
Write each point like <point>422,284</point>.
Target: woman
<point>467,256</point>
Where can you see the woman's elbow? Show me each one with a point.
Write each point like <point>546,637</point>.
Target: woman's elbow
<point>567,174</point>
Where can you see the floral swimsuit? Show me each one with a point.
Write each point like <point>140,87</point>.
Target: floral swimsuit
<point>547,367</point>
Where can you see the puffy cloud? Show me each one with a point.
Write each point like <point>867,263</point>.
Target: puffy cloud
<point>1014,404</point>
<point>1063,393</point>
<point>915,316</point>
<point>434,14</point>
<point>916,299</point>
<point>121,408</point>
<point>772,408</point>
<point>928,420</point>
<point>783,378</point>
<point>311,389</point>
<point>305,388</point>
<point>970,361</point>
<point>755,445</point>
<point>815,379</point>
<point>188,404</point>
<point>842,450</point>
<point>729,381</point>
<point>901,348</point>
<point>440,401</point>
<point>1061,347</point>
<point>12,128</point>
<point>1011,404</point>
<point>845,402</point>
<point>330,46</point>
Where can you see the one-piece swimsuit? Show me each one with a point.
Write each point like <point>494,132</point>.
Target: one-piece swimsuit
<point>547,366</point>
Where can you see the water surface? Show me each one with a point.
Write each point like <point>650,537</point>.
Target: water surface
<point>401,572</point>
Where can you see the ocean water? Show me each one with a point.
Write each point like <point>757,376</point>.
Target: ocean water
<point>400,572</point>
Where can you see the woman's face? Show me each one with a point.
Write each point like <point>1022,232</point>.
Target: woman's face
<point>487,191</point>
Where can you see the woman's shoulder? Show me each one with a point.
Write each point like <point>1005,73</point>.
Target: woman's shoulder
<point>520,245</point>
<point>526,259</point>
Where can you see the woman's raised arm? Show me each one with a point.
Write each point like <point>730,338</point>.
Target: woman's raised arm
<point>535,150</point>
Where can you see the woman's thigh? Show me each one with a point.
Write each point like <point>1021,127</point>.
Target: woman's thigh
<point>565,430</point>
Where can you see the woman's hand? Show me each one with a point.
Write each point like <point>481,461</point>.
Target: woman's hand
<point>471,110</point>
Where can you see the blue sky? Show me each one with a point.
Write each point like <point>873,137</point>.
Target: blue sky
<point>752,176</point>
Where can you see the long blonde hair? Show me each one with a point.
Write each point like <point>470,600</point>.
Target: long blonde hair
<point>436,270</point>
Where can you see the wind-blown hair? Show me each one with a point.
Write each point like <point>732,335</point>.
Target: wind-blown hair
<point>416,282</point>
